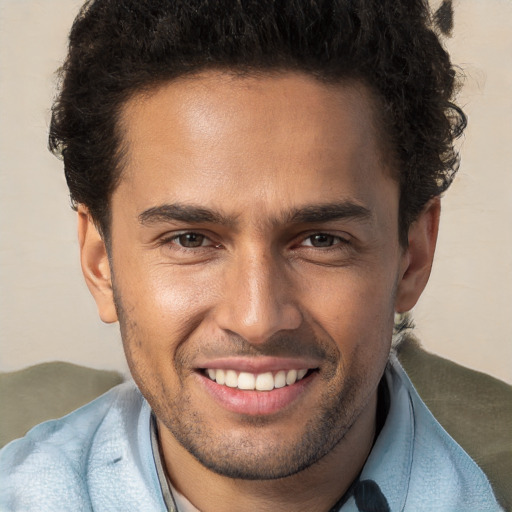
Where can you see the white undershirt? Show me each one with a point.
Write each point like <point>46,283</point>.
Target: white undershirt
<point>182,504</point>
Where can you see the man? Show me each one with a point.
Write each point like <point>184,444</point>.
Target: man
<point>257,187</point>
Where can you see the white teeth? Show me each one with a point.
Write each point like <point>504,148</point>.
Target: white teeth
<point>280,379</point>
<point>220,377</point>
<point>246,381</point>
<point>291,377</point>
<point>231,379</point>
<point>265,382</point>
<point>261,382</point>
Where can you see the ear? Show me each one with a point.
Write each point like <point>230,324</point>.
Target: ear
<point>95,265</point>
<point>418,256</point>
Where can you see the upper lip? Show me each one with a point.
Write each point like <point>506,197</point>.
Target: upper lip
<point>257,364</point>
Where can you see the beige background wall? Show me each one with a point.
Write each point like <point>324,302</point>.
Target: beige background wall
<point>46,312</point>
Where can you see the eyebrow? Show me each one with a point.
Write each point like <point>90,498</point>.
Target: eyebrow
<point>182,213</point>
<point>310,214</point>
<point>327,212</point>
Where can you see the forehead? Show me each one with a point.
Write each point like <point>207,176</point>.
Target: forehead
<point>274,139</point>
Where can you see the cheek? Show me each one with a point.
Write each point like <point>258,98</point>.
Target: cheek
<point>164,304</point>
<point>355,309</point>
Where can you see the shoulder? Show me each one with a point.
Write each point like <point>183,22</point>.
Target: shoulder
<point>475,409</point>
<point>53,462</point>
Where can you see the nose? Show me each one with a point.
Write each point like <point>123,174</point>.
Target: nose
<point>258,299</point>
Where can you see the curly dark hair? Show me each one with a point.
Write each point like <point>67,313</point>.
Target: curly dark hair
<point>120,47</point>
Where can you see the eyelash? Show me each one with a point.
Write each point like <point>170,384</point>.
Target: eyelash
<point>336,241</point>
<point>174,239</point>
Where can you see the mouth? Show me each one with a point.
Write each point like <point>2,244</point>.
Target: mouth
<point>246,381</point>
<point>260,392</point>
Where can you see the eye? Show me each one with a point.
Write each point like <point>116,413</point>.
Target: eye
<point>187,247</point>
<point>191,240</point>
<point>323,240</point>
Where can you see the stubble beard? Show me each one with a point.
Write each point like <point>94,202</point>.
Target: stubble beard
<point>247,454</point>
<point>252,456</point>
<point>250,450</point>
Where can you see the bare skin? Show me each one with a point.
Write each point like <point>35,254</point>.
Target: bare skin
<point>255,229</point>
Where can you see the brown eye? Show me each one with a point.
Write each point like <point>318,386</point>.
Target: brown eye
<point>190,240</point>
<point>322,240</point>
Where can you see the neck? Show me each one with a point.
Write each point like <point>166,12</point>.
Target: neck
<point>318,487</point>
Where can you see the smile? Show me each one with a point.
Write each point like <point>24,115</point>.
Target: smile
<point>269,387</point>
<point>266,381</point>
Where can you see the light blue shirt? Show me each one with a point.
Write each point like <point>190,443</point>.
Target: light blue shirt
<point>100,458</point>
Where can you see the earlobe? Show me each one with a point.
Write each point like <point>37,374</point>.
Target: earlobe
<point>418,256</point>
<point>95,265</point>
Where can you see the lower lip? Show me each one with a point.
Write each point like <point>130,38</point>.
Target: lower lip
<point>256,403</point>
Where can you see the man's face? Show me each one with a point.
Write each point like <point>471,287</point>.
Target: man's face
<point>254,238</point>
